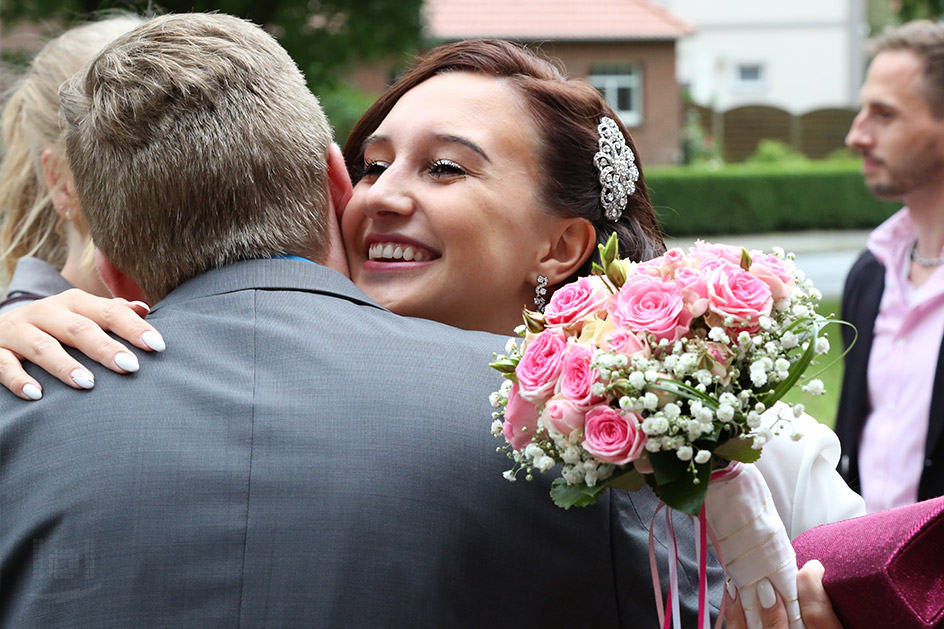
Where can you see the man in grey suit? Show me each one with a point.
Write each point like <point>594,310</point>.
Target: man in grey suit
<point>302,457</point>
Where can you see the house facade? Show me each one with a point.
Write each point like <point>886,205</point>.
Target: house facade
<point>798,56</point>
<point>625,48</point>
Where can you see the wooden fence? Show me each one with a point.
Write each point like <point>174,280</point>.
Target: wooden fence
<point>815,134</point>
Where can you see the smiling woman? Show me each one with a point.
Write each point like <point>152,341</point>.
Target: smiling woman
<point>478,166</point>
<point>459,200</point>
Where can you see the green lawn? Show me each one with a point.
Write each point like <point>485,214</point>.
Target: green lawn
<point>827,368</point>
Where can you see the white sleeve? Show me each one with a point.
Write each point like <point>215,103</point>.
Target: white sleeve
<point>802,476</point>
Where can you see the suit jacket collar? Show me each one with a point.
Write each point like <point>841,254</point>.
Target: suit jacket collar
<point>268,274</point>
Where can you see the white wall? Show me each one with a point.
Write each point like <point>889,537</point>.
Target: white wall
<point>811,52</point>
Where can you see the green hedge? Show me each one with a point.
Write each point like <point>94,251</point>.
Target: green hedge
<point>761,198</point>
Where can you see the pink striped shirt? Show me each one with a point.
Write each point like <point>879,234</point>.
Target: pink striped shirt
<point>901,370</point>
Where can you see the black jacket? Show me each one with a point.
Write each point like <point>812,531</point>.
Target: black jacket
<point>861,298</point>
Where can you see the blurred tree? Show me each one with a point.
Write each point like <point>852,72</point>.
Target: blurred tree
<point>920,9</point>
<point>327,38</point>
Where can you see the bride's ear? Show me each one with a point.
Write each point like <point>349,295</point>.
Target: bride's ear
<point>572,246</point>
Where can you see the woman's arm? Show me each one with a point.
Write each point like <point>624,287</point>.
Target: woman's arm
<point>37,331</point>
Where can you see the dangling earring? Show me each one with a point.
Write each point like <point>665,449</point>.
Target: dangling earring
<point>540,292</point>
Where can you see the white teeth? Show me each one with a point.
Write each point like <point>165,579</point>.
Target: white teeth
<point>392,251</point>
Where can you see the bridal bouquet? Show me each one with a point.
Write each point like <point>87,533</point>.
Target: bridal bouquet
<point>658,372</point>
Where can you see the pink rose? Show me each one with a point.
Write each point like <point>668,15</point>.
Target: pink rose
<point>734,292</point>
<point>540,366</point>
<point>705,251</point>
<point>521,420</point>
<point>563,416</point>
<point>576,301</point>
<point>774,272</point>
<point>612,436</point>
<point>624,342</point>
<point>647,304</point>
<point>694,288</point>
<point>671,260</point>
<point>577,377</point>
<point>721,357</point>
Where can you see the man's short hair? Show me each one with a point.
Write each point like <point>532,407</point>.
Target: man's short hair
<point>926,40</point>
<point>195,142</point>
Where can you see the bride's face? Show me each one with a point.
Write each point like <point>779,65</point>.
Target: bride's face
<point>446,223</point>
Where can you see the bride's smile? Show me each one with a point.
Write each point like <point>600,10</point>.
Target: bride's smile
<point>446,222</point>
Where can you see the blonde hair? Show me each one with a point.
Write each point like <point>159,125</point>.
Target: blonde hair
<point>30,125</point>
<point>196,134</point>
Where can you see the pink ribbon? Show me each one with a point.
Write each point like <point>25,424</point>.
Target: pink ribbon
<point>669,615</point>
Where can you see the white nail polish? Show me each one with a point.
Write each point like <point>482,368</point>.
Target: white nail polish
<point>82,378</point>
<point>126,361</point>
<point>32,391</point>
<point>732,589</point>
<point>141,304</point>
<point>766,594</point>
<point>153,340</point>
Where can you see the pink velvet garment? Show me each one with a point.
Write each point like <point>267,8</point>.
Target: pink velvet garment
<point>884,569</point>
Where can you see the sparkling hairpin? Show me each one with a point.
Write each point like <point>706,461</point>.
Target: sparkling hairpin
<point>617,166</point>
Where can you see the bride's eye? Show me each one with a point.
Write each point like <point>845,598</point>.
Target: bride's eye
<point>446,168</point>
<point>374,168</point>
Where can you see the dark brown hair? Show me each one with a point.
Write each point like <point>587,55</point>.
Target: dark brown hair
<point>566,113</point>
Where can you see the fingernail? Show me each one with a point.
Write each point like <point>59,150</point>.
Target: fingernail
<point>141,304</point>
<point>766,594</point>
<point>126,361</point>
<point>82,378</point>
<point>32,391</point>
<point>153,340</point>
<point>732,590</point>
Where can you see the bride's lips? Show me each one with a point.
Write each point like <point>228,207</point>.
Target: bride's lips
<point>387,252</point>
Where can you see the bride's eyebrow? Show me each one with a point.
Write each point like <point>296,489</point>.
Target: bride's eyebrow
<point>373,139</point>
<point>439,137</point>
<point>458,139</point>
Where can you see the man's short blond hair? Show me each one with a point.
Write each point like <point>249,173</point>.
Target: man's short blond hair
<point>195,143</point>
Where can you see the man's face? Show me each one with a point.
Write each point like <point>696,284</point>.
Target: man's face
<point>900,140</point>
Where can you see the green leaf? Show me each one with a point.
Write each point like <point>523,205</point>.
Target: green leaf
<point>683,494</point>
<point>738,449</point>
<point>566,496</point>
<point>667,467</point>
<point>630,480</point>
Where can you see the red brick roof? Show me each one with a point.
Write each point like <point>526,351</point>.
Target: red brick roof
<point>531,20</point>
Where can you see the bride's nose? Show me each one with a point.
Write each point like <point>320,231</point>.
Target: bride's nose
<point>389,195</point>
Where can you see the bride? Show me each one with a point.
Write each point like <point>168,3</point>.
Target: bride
<point>474,188</point>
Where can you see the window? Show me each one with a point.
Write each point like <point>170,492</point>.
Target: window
<point>750,76</point>
<point>621,86</point>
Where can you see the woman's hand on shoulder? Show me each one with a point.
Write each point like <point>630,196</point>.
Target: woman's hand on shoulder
<point>37,332</point>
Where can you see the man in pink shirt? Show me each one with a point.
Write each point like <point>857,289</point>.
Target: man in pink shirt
<point>891,413</point>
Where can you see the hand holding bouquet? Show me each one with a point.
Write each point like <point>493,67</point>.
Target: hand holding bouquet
<point>663,366</point>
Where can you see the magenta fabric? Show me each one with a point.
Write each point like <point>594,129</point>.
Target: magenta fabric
<point>884,569</point>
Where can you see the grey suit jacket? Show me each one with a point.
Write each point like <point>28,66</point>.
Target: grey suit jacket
<point>298,457</point>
